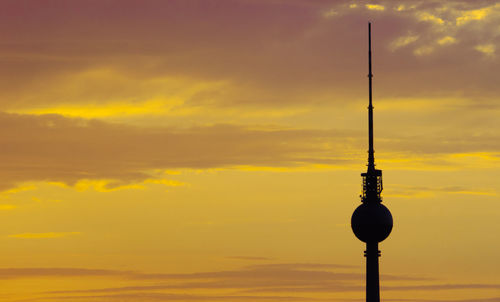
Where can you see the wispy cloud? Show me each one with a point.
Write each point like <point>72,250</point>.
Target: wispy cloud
<point>129,160</point>
<point>487,49</point>
<point>249,258</point>
<point>142,78</point>
<point>174,297</point>
<point>447,40</point>
<point>255,277</point>
<point>126,161</point>
<point>433,287</point>
<point>403,41</point>
<point>407,191</point>
<point>17,273</point>
<point>277,281</point>
<point>494,299</point>
<point>376,7</point>
<point>4,207</point>
<point>44,235</point>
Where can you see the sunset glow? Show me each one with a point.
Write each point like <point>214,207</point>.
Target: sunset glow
<point>202,150</point>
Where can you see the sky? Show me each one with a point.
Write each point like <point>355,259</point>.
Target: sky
<point>211,150</point>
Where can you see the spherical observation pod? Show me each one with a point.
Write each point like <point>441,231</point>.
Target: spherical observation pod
<point>371,222</point>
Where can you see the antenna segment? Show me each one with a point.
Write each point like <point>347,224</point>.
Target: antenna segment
<point>371,156</point>
<point>372,179</point>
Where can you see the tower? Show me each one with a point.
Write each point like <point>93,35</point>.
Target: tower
<point>371,222</point>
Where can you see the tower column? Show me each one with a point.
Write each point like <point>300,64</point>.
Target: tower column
<point>372,275</point>
<point>371,222</point>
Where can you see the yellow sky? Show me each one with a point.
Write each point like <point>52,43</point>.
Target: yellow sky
<point>212,150</point>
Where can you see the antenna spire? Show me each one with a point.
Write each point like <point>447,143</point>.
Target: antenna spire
<point>371,157</point>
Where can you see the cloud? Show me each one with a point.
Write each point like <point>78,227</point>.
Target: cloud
<point>446,40</point>
<point>266,274</point>
<point>4,207</point>
<point>487,49</point>
<point>434,287</point>
<point>188,297</point>
<point>291,266</point>
<point>494,299</point>
<point>474,15</point>
<point>165,182</point>
<point>17,273</point>
<point>282,275</point>
<point>290,54</point>
<point>105,156</point>
<point>423,50</point>
<point>276,280</point>
<point>174,297</point>
<point>423,191</point>
<point>91,154</point>
<point>376,7</point>
<point>43,235</point>
<point>337,287</point>
<point>425,16</point>
<point>19,189</point>
<point>248,258</point>
<point>104,185</point>
<point>403,41</point>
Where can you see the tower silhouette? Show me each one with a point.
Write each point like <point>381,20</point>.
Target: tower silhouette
<point>371,222</point>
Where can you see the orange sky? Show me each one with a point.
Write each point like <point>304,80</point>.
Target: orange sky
<point>210,150</point>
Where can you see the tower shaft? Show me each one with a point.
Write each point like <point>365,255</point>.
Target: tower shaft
<point>371,222</point>
<point>372,253</point>
<point>372,274</point>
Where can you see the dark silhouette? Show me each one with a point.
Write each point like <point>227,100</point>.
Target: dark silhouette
<point>371,222</point>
